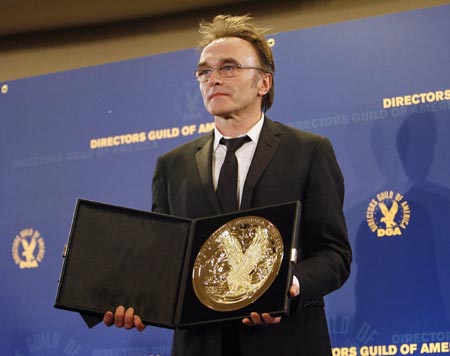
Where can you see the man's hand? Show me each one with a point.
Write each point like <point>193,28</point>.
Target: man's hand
<point>267,319</point>
<point>123,318</point>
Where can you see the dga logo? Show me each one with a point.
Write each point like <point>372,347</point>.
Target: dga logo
<point>388,214</point>
<point>28,249</point>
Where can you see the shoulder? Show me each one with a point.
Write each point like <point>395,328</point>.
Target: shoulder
<point>289,135</point>
<point>188,149</point>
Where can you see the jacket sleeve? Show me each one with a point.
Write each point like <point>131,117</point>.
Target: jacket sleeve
<point>325,253</point>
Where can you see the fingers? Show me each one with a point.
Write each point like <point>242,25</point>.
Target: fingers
<point>123,318</point>
<point>119,316</point>
<point>129,318</point>
<point>266,319</point>
<point>108,318</point>
<point>263,319</point>
<point>254,319</point>
<point>269,319</point>
<point>140,326</point>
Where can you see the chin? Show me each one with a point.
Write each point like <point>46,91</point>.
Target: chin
<point>218,111</point>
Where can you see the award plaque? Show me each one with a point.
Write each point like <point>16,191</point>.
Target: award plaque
<point>178,272</point>
<point>237,263</point>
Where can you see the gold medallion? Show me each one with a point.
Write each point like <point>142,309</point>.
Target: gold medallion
<point>237,263</point>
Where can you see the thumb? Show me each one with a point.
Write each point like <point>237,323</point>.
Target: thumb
<point>295,287</point>
<point>294,291</point>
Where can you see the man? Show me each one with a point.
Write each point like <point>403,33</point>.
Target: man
<point>278,164</point>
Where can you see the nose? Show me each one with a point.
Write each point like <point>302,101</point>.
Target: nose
<point>214,78</point>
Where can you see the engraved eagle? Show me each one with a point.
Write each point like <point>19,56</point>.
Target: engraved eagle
<point>389,214</point>
<point>242,264</point>
<point>28,249</point>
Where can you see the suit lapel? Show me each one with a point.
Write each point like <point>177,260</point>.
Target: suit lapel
<point>267,146</point>
<point>204,165</point>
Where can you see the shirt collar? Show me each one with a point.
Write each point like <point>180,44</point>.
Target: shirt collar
<point>253,133</point>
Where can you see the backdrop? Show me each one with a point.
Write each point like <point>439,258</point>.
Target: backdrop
<point>379,88</point>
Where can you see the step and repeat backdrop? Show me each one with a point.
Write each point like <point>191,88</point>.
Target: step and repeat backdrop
<point>379,88</point>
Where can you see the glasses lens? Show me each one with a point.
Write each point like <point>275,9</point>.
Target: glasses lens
<point>226,71</point>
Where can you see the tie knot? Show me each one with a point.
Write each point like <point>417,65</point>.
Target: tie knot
<point>233,144</point>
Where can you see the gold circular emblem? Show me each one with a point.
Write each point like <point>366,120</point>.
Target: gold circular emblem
<point>28,248</point>
<point>237,263</point>
<point>388,214</point>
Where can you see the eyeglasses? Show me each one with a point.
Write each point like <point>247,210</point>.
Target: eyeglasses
<point>225,71</point>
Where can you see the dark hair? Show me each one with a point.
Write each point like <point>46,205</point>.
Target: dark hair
<point>241,27</point>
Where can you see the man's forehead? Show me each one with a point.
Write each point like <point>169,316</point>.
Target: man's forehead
<point>223,41</point>
<point>228,49</point>
<point>219,61</point>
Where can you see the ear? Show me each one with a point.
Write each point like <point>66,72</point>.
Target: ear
<point>265,83</point>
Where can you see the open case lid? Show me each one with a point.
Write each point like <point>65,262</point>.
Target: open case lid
<point>121,256</point>
<point>114,257</point>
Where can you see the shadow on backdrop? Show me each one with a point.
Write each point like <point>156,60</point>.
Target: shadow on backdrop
<point>403,280</point>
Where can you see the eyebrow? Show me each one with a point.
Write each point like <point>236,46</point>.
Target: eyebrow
<point>221,62</point>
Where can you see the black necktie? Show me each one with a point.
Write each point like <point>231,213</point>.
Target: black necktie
<point>227,186</point>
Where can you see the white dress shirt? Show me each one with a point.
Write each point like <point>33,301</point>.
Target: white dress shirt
<point>244,155</point>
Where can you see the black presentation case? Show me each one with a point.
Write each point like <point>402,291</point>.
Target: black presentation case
<point>121,256</point>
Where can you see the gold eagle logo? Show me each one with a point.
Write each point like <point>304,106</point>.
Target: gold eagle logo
<point>28,248</point>
<point>389,214</point>
<point>395,218</point>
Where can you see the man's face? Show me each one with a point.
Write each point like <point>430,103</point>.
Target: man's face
<point>236,96</point>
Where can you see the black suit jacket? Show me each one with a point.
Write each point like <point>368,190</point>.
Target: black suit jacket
<point>288,165</point>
